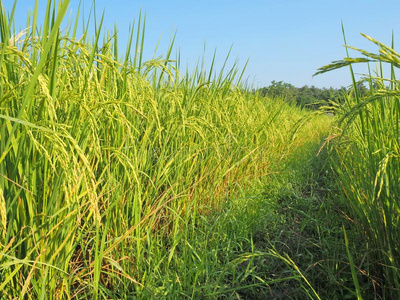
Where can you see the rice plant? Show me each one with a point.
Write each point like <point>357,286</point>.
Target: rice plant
<point>368,163</point>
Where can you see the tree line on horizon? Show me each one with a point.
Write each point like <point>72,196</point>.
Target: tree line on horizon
<point>310,97</point>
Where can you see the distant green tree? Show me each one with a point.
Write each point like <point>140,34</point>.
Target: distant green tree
<point>305,96</point>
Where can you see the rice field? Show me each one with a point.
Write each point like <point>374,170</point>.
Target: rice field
<point>125,178</point>
<point>109,163</point>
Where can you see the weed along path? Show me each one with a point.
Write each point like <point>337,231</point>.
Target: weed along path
<point>275,238</point>
<point>283,237</point>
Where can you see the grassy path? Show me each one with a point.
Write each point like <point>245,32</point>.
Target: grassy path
<point>285,238</point>
<point>280,232</point>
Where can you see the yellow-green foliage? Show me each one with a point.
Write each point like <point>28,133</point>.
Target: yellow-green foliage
<point>106,164</point>
<point>367,160</point>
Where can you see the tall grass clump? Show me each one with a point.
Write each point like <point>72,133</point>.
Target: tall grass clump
<point>109,163</point>
<point>368,164</point>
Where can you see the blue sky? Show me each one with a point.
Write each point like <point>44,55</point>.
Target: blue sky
<point>284,39</point>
